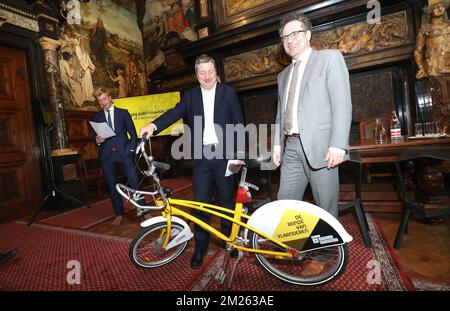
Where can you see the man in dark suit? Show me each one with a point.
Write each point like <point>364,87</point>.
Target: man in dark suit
<point>207,109</point>
<point>116,152</point>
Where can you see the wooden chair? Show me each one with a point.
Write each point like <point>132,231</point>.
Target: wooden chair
<point>93,176</point>
<point>367,135</point>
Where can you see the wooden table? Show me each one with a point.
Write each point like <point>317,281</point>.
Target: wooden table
<point>387,153</point>
<point>383,197</point>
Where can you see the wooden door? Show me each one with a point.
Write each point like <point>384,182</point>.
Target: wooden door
<point>20,175</point>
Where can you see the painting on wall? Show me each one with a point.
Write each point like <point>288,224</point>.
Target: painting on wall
<point>235,11</point>
<point>165,23</point>
<point>104,49</point>
<point>237,6</point>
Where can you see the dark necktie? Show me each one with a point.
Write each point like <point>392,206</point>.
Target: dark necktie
<point>109,120</point>
<point>290,102</point>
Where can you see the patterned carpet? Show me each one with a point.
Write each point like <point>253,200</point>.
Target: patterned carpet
<point>48,256</point>
<point>423,284</point>
<point>360,274</point>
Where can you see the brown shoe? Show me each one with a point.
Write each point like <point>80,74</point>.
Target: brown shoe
<point>313,267</point>
<point>117,221</point>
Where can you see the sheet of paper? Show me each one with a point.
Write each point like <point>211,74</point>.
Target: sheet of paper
<point>102,129</point>
<point>233,167</point>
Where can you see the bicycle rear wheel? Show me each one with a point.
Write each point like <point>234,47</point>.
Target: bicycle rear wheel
<point>145,249</point>
<point>292,270</point>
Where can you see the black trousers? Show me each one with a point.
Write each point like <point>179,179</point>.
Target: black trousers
<point>124,162</point>
<point>209,180</point>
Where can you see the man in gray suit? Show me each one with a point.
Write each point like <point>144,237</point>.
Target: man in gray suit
<point>313,118</point>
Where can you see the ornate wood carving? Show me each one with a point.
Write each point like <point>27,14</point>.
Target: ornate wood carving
<point>253,63</point>
<point>440,92</point>
<point>19,20</point>
<point>355,40</point>
<point>432,53</point>
<point>364,37</point>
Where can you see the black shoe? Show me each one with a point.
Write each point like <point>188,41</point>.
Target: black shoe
<point>234,253</point>
<point>197,259</point>
<point>7,256</point>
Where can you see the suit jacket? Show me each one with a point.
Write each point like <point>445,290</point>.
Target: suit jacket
<point>226,111</point>
<point>324,110</point>
<point>123,125</point>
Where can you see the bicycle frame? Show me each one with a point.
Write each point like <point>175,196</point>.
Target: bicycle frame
<point>171,208</point>
<point>291,230</point>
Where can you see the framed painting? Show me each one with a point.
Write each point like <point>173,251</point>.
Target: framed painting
<point>203,32</point>
<point>166,23</point>
<point>234,11</point>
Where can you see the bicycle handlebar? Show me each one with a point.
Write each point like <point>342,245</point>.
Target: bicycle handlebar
<point>133,195</point>
<point>161,165</point>
<point>148,158</point>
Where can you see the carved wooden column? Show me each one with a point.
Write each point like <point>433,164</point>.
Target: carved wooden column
<point>440,93</point>
<point>52,76</point>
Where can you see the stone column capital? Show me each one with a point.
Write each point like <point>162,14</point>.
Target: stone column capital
<point>49,43</point>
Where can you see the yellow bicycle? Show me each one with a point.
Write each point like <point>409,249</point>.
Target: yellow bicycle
<point>284,235</point>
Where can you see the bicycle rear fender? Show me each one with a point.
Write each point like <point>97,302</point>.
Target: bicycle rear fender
<point>301,225</point>
<point>183,236</point>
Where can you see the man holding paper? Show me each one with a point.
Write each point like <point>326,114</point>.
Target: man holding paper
<point>115,152</point>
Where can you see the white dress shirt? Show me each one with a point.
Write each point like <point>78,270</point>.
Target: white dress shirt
<point>209,133</point>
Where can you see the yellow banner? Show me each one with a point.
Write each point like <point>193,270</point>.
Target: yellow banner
<point>145,109</point>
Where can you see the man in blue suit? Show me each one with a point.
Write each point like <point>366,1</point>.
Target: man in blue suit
<point>209,107</point>
<point>116,152</point>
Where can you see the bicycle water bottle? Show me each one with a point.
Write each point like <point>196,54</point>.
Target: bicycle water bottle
<point>396,133</point>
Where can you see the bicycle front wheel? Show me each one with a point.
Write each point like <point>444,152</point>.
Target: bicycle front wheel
<point>145,250</point>
<point>293,270</point>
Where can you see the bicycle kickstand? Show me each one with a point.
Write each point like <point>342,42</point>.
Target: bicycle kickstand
<point>221,276</point>
<point>238,259</point>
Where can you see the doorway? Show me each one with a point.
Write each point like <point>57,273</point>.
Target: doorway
<point>20,175</point>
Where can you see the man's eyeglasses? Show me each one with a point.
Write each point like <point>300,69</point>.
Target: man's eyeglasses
<point>292,35</point>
